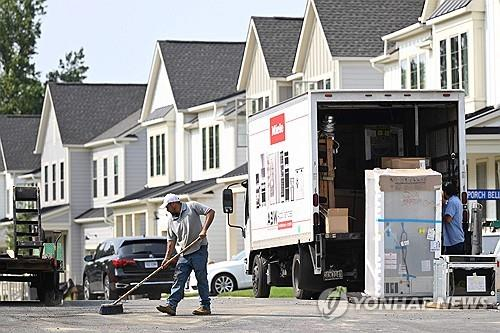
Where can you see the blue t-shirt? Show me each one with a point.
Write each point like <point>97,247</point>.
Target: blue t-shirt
<point>453,232</point>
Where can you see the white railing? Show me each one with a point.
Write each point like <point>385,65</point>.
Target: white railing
<point>14,291</point>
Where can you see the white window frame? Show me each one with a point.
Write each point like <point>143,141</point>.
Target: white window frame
<point>407,84</point>
<point>462,84</point>
<point>211,154</point>
<point>62,176</point>
<point>95,181</point>
<point>46,182</point>
<point>116,172</point>
<point>105,177</point>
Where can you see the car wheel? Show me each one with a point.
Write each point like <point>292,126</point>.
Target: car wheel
<point>259,278</point>
<point>87,295</point>
<point>109,294</point>
<point>223,283</point>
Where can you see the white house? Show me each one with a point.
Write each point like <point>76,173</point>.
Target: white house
<point>87,134</point>
<point>196,130</point>
<point>17,140</point>
<point>454,44</point>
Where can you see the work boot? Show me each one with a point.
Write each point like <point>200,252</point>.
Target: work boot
<point>168,309</point>
<point>202,311</point>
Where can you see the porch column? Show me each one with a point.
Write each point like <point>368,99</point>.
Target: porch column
<point>491,205</point>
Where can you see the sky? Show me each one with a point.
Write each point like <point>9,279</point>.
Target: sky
<point>118,36</point>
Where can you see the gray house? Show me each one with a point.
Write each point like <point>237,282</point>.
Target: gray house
<point>92,152</point>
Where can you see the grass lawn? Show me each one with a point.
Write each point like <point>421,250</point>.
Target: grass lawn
<point>276,292</point>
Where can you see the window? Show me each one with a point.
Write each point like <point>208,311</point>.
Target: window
<point>413,73</point>
<point>241,127</point>
<point>319,85</point>
<point>9,202</point>
<point>328,84</point>
<point>163,154</point>
<point>464,63</point>
<point>115,174</point>
<point>211,147</point>
<point>422,61</point>
<point>404,70</point>
<point>151,157</point>
<point>54,182</point>
<point>204,147</point>
<point>458,60</point>
<point>94,178</point>
<point>46,182</point>
<point>455,77</point>
<point>254,106</point>
<point>61,173</point>
<point>158,166</point>
<point>266,102</point>
<point>105,176</point>
<point>442,64</point>
<point>260,103</point>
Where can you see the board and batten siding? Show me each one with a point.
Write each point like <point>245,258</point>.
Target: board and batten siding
<point>360,75</point>
<point>259,82</point>
<point>392,76</point>
<point>135,165</point>
<point>162,91</point>
<point>318,63</point>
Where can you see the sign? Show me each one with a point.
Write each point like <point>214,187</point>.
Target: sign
<point>277,128</point>
<point>483,194</point>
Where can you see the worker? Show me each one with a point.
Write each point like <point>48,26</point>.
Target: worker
<point>453,233</point>
<point>183,228</point>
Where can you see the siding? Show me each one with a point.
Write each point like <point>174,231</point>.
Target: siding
<point>360,75</point>
<point>259,82</point>
<point>392,77</point>
<point>3,199</point>
<point>162,94</point>
<point>135,165</point>
<point>318,61</point>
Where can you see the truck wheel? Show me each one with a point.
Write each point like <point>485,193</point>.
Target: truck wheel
<point>259,278</point>
<point>299,293</point>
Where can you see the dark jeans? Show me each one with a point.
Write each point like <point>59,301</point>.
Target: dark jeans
<point>454,249</point>
<point>196,261</point>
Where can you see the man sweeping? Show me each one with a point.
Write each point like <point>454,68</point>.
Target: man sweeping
<point>184,228</point>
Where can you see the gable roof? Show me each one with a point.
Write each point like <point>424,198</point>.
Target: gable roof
<point>201,72</point>
<point>17,142</point>
<point>353,28</point>
<point>120,128</point>
<point>278,38</point>
<point>85,111</point>
<point>449,6</point>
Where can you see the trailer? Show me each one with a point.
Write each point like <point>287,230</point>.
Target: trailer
<point>32,260</point>
<point>307,158</point>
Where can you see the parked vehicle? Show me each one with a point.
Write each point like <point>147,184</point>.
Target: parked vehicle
<point>120,263</point>
<point>308,156</point>
<point>225,276</point>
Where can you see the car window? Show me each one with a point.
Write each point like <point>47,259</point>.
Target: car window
<point>239,256</point>
<point>98,251</point>
<point>108,250</point>
<point>155,247</point>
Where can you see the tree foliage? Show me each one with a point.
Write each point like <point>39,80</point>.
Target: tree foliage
<point>72,69</point>
<point>20,88</point>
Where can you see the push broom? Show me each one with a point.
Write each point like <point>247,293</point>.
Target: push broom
<point>116,307</point>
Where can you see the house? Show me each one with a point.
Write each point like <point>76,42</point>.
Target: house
<point>338,38</point>
<point>195,121</point>
<point>454,44</point>
<point>17,140</point>
<point>91,152</point>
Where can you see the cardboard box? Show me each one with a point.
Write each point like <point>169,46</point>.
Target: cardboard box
<point>337,221</point>
<point>403,162</point>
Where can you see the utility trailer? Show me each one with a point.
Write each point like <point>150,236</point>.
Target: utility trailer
<point>307,157</point>
<point>33,260</point>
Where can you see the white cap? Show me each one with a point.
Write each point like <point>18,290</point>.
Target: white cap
<point>169,198</point>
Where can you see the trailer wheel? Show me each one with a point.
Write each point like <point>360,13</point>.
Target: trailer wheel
<point>296,267</point>
<point>259,278</point>
<point>48,289</point>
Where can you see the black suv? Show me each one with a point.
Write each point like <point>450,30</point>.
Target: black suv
<point>120,263</point>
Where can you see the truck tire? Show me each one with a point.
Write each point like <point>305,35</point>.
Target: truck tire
<point>299,293</point>
<point>48,289</point>
<point>259,278</point>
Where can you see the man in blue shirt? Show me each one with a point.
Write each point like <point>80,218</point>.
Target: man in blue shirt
<point>453,233</point>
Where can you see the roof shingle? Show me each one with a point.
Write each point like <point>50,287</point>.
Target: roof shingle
<point>201,72</point>
<point>85,111</point>
<point>18,137</point>
<point>354,28</point>
<point>278,38</point>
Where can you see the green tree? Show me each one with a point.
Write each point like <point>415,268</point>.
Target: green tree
<point>20,88</point>
<point>72,69</point>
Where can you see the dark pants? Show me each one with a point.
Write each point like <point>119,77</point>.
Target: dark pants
<point>196,261</point>
<point>454,249</point>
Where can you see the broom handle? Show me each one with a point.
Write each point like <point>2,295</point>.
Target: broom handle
<point>156,271</point>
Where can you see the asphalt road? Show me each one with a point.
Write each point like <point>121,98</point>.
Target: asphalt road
<point>239,314</point>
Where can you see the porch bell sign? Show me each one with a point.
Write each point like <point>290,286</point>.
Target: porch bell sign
<point>483,194</point>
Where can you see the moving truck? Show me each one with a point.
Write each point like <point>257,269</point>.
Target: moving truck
<point>307,158</point>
